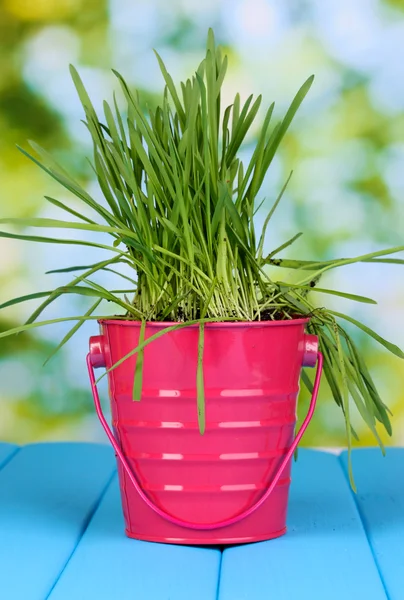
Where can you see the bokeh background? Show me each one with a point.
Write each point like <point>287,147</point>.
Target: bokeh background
<point>346,148</point>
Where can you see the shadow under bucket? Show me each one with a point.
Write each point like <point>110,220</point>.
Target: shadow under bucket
<point>230,485</point>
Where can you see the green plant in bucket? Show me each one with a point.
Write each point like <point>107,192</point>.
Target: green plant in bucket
<point>179,207</point>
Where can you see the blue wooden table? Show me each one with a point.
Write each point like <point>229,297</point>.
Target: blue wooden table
<point>61,535</point>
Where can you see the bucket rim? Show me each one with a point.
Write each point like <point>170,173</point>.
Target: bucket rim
<point>214,325</point>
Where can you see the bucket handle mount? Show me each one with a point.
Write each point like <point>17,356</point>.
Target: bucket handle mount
<point>231,520</point>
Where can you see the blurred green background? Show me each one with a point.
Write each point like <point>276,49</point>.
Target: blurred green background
<point>346,148</point>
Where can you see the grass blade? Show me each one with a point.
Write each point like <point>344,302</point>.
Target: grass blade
<point>49,240</point>
<point>73,330</point>
<point>391,347</point>
<point>269,216</point>
<point>29,326</point>
<point>138,379</point>
<point>68,209</point>
<point>20,299</point>
<point>200,385</point>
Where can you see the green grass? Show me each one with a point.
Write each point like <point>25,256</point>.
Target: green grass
<point>179,207</point>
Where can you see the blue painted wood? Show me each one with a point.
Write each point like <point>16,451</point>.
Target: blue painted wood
<point>107,565</point>
<point>380,500</point>
<point>6,453</point>
<point>324,555</point>
<point>47,494</point>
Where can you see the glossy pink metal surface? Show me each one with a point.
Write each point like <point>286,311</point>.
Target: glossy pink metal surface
<point>231,484</point>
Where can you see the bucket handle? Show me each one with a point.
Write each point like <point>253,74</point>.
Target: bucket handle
<point>226,522</point>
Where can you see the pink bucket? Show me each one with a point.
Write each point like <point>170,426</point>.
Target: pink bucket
<point>230,485</point>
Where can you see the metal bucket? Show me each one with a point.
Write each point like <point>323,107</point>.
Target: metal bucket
<point>231,484</point>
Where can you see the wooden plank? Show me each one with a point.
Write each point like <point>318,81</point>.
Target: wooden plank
<point>6,453</point>
<point>47,494</point>
<point>380,500</point>
<point>325,553</point>
<point>108,565</point>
